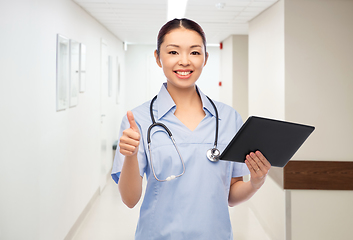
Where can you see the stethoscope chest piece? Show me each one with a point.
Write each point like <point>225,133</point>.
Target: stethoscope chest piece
<point>213,154</point>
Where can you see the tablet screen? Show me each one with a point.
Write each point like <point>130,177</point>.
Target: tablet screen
<point>277,140</point>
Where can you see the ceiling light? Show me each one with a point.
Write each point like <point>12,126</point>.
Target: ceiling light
<point>176,9</point>
<point>220,6</point>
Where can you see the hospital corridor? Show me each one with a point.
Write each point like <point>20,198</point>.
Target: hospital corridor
<point>79,77</point>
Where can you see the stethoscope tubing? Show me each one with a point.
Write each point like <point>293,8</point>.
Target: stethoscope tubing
<point>212,154</point>
<point>216,134</point>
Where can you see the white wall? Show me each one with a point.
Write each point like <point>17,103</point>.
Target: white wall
<point>144,77</point>
<point>19,190</point>
<point>50,161</point>
<point>266,98</point>
<point>226,72</point>
<point>210,77</point>
<point>141,71</point>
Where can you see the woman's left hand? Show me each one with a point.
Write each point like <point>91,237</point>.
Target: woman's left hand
<point>259,167</point>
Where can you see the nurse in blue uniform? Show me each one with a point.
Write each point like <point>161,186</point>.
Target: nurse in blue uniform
<point>187,195</point>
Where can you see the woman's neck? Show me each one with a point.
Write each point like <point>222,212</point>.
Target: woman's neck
<point>188,105</point>
<point>184,97</point>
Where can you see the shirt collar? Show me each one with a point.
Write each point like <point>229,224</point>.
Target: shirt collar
<point>206,103</point>
<point>167,103</point>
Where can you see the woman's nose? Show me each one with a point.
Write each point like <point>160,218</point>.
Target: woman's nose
<point>184,60</point>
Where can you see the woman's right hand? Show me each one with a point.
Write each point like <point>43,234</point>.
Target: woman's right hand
<point>130,140</point>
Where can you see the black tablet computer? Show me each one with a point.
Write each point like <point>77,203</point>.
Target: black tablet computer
<point>277,140</point>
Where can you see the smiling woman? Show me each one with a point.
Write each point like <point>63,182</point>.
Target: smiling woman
<point>182,63</point>
<point>187,196</point>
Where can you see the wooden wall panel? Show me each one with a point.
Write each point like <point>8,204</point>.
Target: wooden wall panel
<point>320,175</point>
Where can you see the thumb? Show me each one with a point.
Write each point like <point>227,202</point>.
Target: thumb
<point>132,122</point>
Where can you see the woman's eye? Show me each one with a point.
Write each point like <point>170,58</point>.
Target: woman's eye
<point>195,53</point>
<point>173,52</point>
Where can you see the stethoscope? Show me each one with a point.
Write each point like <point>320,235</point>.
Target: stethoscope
<point>212,154</point>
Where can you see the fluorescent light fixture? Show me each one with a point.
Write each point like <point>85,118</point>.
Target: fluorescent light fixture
<point>212,44</point>
<point>176,9</point>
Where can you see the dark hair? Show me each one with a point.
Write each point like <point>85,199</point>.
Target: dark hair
<point>179,23</point>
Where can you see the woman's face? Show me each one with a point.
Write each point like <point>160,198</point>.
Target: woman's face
<point>182,57</point>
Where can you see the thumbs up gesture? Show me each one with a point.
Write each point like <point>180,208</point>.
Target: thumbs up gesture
<point>130,140</point>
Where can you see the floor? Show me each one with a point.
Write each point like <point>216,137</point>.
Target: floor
<point>110,219</point>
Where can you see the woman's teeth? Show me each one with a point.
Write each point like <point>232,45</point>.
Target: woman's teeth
<point>183,73</point>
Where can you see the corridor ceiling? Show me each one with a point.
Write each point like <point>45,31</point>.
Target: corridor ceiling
<point>138,21</point>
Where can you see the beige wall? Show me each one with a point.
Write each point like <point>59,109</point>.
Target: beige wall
<point>266,98</point>
<point>234,73</point>
<point>319,75</point>
<point>266,63</point>
<point>319,86</point>
<point>300,69</point>
<point>240,75</point>
<point>322,215</point>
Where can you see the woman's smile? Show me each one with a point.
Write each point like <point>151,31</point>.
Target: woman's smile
<point>183,74</point>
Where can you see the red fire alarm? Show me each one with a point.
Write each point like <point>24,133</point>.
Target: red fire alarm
<point>220,83</point>
<point>221,45</point>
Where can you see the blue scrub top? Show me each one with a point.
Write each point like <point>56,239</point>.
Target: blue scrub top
<point>195,205</point>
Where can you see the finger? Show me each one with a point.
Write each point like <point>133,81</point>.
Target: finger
<point>263,159</point>
<point>251,169</point>
<point>132,122</point>
<point>259,164</point>
<point>125,152</point>
<point>252,163</point>
<point>129,141</point>
<point>127,147</point>
<point>130,133</point>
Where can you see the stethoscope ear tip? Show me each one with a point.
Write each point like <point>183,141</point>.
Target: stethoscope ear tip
<point>171,177</point>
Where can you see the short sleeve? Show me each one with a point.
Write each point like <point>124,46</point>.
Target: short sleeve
<point>239,169</point>
<point>119,158</point>
<point>238,121</point>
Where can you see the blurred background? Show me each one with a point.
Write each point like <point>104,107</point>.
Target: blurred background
<point>70,69</point>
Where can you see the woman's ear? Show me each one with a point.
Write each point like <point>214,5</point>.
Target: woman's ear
<point>158,61</point>
<point>206,58</point>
